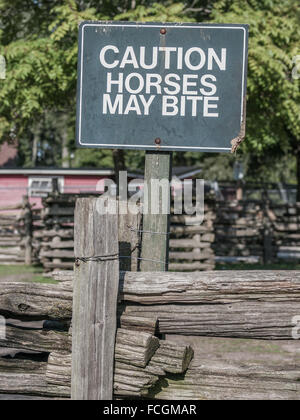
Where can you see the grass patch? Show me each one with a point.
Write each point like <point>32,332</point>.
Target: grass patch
<point>19,269</point>
<point>25,273</point>
<point>244,266</point>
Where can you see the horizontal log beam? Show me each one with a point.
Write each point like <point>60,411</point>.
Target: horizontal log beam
<point>35,300</point>
<point>256,304</point>
<point>206,265</point>
<point>135,348</point>
<point>51,233</point>
<point>57,254</point>
<point>30,384</point>
<point>211,287</point>
<point>193,255</point>
<point>188,243</point>
<point>140,360</point>
<point>37,340</point>
<point>236,369</point>
<point>268,321</point>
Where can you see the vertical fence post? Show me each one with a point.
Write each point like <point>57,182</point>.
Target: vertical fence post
<point>155,245</point>
<point>95,300</point>
<point>129,237</point>
<point>267,235</point>
<point>27,218</point>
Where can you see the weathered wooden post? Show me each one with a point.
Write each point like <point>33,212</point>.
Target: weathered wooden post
<point>95,300</point>
<point>155,239</point>
<point>172,88</point>
<point>267,233</point>
<point>129,237</point>
<point>27,219</point>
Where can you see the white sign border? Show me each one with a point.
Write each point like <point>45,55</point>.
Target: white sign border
<point>140,146</point>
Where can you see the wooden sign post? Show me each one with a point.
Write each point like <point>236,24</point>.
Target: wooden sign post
<point>155,235</point>
<point>157,87</point>
<point>95,297</point>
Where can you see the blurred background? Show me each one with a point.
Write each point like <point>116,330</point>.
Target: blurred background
<point>38,39</point>
<point>38,70</point>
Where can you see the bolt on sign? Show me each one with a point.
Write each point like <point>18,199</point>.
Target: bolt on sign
<point>161,86</point>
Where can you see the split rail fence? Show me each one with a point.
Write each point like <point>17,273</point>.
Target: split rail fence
<point>249,231</point>
<point>190,246</point>
<point>257,306</point>
<point>149,311</point>
<point>245,231</point>
<point>17,224</point>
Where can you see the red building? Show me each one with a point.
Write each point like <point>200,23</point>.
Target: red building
<point>37,183</point>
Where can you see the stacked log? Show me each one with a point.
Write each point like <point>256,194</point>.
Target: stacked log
<point>38,338</point>
<point>285,220</point>
<point>236,369</point>
<point>191,241</point>
<point>245,231</point>
<point>231,305</point>
<point>17,224</point>
<point>220,304</point>
<point>190,245</point>
<point>57,237</point>
<point>41,362</point>
<point>11,251</point>
<point>239,230</point>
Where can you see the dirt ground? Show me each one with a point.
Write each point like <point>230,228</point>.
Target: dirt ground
<point>22,273</point>
<point>243,350</point>
<point>16,277</point>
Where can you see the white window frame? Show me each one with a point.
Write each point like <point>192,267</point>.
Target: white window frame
<point>38,192</point>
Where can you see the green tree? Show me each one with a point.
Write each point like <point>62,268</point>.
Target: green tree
<point>39,40</point>
<point>273,95</point>
<point>41,68</point>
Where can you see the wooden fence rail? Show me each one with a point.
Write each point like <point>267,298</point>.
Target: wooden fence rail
<point>246,231</point>
<point>221,304</point>
<point>16,225</point>
<point>190,246</point>
<point>255,304</point>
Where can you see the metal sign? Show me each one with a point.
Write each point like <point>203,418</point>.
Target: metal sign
<point>161,86</point>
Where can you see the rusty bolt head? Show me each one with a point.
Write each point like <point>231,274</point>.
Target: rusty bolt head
<point>157,140</point>
<point>163,31</point>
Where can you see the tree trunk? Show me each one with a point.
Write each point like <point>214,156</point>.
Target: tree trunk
<point>119,165</point>
<point>298,172</point>
<point>65,150</point>
<point>36,138</point>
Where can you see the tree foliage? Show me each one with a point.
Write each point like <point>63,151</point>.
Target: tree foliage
<point>39,41</point>
<point>273,103</point>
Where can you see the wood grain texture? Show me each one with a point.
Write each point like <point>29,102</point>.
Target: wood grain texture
<point>37,301</point>
<point>38,340</point>
<point>211,287</point>
<point>30,384</point>
<point>135,348</point>
<point>257,304</point>
<point>155,247</point>
<point>95,301</point>
<point>263,320</point>
<point>58,370</point>
<point>139,323</point>
<point>140,360</point>
<point>129,237</point>
<point>225,369</point>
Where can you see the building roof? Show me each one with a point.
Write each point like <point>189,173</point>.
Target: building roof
<point>56,171</point>
<point>180,172</point>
